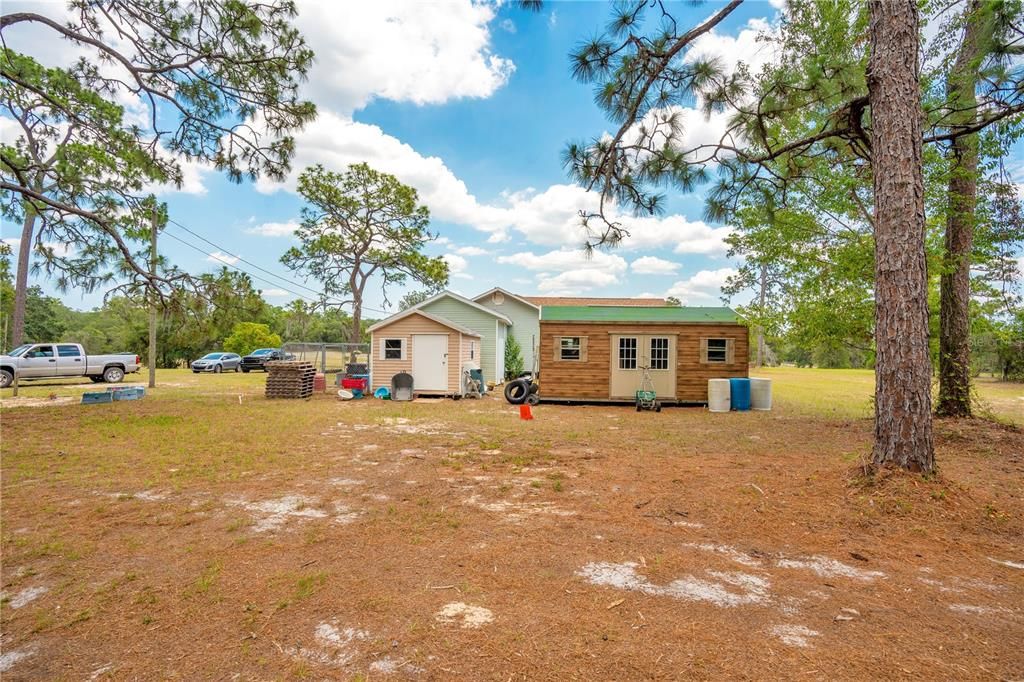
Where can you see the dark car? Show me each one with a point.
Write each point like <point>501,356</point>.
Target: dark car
<point>258,358</point>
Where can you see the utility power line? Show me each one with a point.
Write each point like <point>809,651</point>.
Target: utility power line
<point>234,266</point>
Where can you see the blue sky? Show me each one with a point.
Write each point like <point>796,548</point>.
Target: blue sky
<point>472,105</point>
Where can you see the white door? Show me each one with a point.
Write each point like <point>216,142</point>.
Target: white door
<point>430,362</point>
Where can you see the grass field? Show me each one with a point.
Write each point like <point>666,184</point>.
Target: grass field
<point>207,533</point>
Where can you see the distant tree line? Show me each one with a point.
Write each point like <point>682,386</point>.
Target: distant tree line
<point>193,325</point>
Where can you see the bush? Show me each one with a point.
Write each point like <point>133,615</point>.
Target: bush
<point>513,358</point>
<point>248,336</point>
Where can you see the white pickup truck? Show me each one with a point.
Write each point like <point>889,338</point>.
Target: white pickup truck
<point>61,360</point>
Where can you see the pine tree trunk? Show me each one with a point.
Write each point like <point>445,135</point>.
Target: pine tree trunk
<point>21,278</point>
<point>903,420</point>
<point>955,282</point>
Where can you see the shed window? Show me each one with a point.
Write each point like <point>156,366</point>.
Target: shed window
<point>718,350</point>
<point>472,350</point>
<point>570,348</point>
<point>627,352</point>
<point>394,349</point>
<point>659,352</point>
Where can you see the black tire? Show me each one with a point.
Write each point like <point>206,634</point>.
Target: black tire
<point>195,371</point>
<point>532,399</point>
<point>638,407</point>
<point>95,380</point>
<point>113,375</point>
<point>657,407</point>
<point>238,368</point>
<point>217,369</point>
<point>6,378</point>
<point>517,391</point>
<point>244,370</point>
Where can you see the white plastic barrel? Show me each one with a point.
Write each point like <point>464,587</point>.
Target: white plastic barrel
<point>718,395</point>
<point>760,394</point>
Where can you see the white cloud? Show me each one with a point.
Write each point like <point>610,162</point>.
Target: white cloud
<point>553,19</point>
<point>576,282</point>
<point>457,266</point>
<point>402,51</point>
<point>276,293</point>
<point>567,272</point>
<point>274,229</point>
<point>222,258</point>
<point>508,26</point>
<point>651,265</point>
<point>703,288</point>
<point>471,251</point>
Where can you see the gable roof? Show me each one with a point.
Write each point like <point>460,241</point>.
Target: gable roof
<point>462,299</point>
<point>521,299</point>
<point>596,313</point>
<point>584,301</point>
<point>436,318</point>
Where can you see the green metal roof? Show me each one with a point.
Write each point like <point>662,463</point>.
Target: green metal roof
<point>668,314</point>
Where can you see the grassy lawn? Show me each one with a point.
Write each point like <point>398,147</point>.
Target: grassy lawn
<point>207,533</point>
<point>849,393</point>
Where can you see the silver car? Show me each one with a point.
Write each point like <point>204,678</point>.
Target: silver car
<point>217,362</point>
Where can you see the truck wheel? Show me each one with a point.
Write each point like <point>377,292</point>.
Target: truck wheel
<point>6,378</point>
<point>245,370</point>
<point>113,375</point>
<point>217,369</point>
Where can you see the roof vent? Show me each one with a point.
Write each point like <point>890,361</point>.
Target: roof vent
<point>498,298</point>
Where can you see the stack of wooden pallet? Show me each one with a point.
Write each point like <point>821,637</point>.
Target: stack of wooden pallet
<point>290,379</point>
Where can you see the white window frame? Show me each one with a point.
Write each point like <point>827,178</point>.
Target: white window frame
<point>578,348</point>
<point>630,358</point>
<point>724,350</point>
<point>403,345</point>
<point>668,353</point>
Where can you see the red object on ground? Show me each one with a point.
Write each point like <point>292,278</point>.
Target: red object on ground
<point>354,383</point>
<point>319,382</point>
<point>525,412</point>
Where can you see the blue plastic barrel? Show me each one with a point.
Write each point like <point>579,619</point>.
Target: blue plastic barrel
<point>739,394</point>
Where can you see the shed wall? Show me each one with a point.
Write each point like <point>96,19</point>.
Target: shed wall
<point>589,379</point>
<point>525,324</point>
<point>477,320</point>
<point>382,370</point>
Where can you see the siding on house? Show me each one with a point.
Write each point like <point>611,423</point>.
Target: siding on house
<point>590,378</point>
<point>479,321</point>
<point>382,370</point>
<point>525,324</point>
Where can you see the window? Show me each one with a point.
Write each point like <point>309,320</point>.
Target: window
<point>472,350</point>
<point>68,351</point>
<point>717,350</point>
<point>570,348</point>
<point>627,352</point>
<point>393,349</point>
<point>41,352</point>
<point>659,353</point>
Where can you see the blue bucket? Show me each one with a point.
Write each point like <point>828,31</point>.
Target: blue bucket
<point>739,394</point>
<point>382,393</point>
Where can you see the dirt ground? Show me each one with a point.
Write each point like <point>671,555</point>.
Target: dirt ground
<point>216,535</point>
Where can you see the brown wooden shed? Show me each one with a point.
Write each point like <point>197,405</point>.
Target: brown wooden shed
<point>597,353</point>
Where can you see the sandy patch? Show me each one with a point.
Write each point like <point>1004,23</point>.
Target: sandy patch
<point>271,515</point>
<point>25,401</point>
<point>1009,564</point>
<point>27,596</point>
<point>517,511</point>
<point>9,658</point>
<point>334,646</point>
<point>468,616</point>
<point>731,588</point>
<point>830,568</point>
<point>728,552</point>
<point>975,610</point>
<point>794,635</point>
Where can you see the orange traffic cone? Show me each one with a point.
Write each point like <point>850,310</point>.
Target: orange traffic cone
<point>525,412</point>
